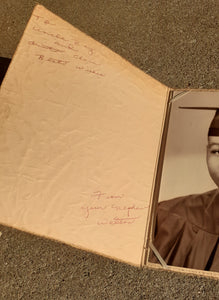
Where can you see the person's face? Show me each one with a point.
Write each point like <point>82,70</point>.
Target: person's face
<point>213,158</point>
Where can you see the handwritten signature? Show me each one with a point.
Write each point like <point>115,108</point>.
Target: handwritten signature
<point>117,221</point>
<point>113,207</point>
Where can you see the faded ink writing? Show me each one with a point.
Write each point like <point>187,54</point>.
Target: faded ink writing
<point>33,43</point>
<point>69,46</point>
<point>82,57</point>
<point>102,209</point>
<point>98,195</point>
<point>90,71</point>
<point>89,49</point>
<point>52,60</point>
<point>113,207</point>
<point>128,209</point>
<point>45,21</point>
<point>88,209</point>
<point>55,35</point>
<point>117,221</point>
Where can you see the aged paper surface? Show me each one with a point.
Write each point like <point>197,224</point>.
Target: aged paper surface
<point>79,137</point>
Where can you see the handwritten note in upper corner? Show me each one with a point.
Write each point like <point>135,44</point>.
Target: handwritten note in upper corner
<point>107,209</point>
<point>51,46</point>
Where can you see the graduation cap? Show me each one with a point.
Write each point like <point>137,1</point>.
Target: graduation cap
<point>214,126</point>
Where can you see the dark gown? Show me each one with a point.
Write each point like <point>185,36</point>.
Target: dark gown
<point>187,231</point>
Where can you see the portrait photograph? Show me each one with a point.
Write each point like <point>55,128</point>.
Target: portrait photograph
<point>186,220</point>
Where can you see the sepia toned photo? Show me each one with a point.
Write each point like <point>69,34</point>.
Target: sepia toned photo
<point>186,228</point>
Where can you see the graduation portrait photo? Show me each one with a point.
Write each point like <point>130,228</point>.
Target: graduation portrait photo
<point>186,224</point>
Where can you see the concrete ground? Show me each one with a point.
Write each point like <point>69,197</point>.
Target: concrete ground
<point>177,43</point>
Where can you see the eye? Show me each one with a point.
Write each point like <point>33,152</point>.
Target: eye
<point>214,149</point>
<point>215,152</point>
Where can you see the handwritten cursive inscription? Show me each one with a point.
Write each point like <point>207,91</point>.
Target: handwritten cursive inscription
<point>90,71</point>
<point>45,21</point>
<point>84,59</point>
<point>127,209</point>
<point>113,207</point>
<point>52,60</point>
<point>33,43</point>
<point>80,55</point>
<point>90,50</point>
<point>88,209</point>
<point>68,46</point>
<point>98,195</point>
<point>55,35</point>
<point>117,221</point>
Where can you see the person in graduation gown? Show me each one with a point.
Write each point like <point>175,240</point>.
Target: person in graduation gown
<point>187,228</point>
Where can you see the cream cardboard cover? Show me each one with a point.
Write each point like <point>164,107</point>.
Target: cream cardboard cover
<point>80,132</point>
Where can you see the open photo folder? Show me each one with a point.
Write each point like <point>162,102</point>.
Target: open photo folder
<point>82,144</point>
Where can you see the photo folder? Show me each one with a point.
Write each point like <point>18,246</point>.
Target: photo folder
<point>82,141</point>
